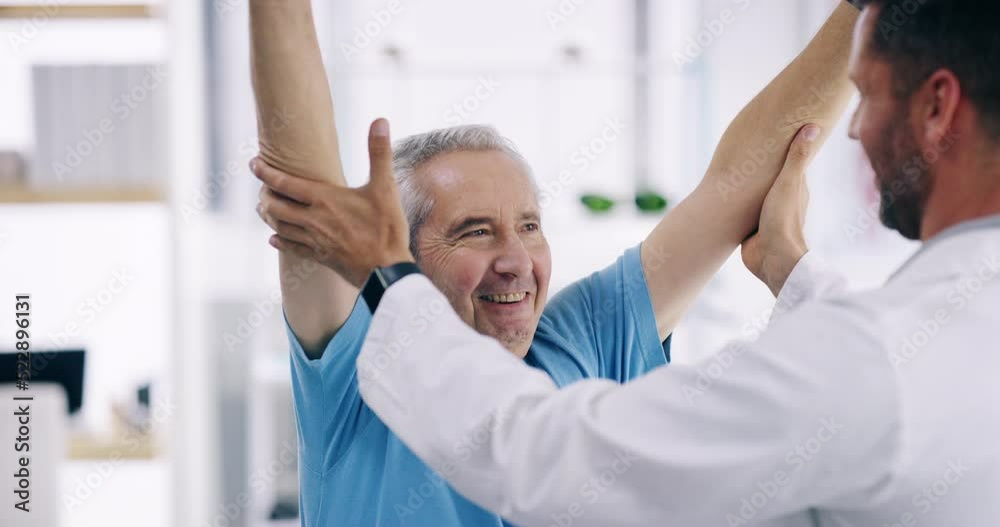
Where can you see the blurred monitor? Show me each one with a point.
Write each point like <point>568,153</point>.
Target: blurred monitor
<point>64,367</point>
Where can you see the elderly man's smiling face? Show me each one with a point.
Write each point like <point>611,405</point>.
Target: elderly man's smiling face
<point>483,245</point>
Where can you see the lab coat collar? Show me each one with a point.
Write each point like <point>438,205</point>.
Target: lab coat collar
<point>944,237</point>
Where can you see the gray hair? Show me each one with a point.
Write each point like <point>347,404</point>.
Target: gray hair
<point>412,152</point>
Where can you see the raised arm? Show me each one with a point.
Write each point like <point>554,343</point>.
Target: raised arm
<point>693,241</point>
<point>297,136</point>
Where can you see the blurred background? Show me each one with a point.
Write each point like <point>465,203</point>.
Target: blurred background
<point>127,209</point>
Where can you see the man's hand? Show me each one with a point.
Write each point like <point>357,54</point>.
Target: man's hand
<point>351,231</point>
<point>779,243</point>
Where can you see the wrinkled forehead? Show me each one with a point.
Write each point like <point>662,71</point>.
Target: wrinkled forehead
<point>477,182</point>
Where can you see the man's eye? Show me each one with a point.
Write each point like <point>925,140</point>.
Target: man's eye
<point>532,227</point>
<point>475,233</point>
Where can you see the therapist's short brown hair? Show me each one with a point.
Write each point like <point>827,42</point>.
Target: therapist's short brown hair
<point>919,37</point>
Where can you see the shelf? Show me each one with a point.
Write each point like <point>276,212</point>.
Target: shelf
<point>80,11</point>
<point>125,446</point>
<point>81,195</point>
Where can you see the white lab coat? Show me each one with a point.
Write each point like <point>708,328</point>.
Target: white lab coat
<point>869,410</point>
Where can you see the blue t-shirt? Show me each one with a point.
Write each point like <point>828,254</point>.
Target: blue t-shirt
<point>355,472</point>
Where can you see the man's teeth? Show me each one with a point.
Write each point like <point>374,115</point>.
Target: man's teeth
<point>505,299</point>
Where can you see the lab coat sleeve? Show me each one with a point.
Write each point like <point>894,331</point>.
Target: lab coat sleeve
<point>810,279</point>
<point>770,429</point>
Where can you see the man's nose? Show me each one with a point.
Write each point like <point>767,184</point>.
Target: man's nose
<point>513,258</point>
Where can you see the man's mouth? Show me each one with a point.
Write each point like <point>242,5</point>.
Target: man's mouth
<point>507,298</point>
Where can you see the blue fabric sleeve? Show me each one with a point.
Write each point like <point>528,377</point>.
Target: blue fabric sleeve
<point>329,412</point>
<point>609,315</point>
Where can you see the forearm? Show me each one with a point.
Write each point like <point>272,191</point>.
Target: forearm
<point>294,108</point>
<point>693,241</point>
<point>814,88</point>
<point>297,135</point>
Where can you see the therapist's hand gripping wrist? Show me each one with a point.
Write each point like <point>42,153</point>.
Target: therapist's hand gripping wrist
<point>350,230</point>
<point>773,251</point>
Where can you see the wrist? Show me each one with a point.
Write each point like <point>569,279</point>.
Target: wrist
<point>382,278</point>
<point>394,257</point>
<point>776,270</point>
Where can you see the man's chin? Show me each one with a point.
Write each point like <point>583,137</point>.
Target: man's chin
<point>516,340</point>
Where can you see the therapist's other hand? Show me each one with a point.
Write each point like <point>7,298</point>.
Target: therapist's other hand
<point>776,247</point>
<point>350,230</point>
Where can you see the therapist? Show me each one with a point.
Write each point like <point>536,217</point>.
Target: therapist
<point>868,410</point>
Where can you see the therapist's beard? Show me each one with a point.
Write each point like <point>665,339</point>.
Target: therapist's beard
<point>904,180</point>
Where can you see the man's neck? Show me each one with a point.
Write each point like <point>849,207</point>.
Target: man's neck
<point>966,199</point>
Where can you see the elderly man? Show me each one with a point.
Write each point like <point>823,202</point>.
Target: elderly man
<point>873,409</point>
<point>475,229</point>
